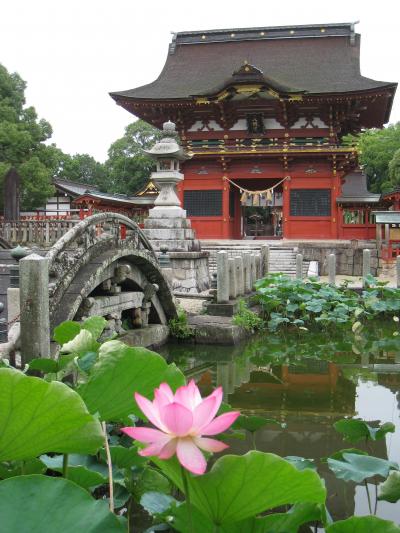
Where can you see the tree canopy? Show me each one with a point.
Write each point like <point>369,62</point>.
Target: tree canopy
<point>22,142</point>
<point>128,168</point>
<point>82,168</point>
<point>378,150</point>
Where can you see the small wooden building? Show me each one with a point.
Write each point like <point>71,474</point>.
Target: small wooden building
<point>79,199</point>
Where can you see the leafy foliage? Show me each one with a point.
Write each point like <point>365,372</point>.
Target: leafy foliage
<point>251,484</point>
<point>357,467</point>
<point>82,168</point>
<point>377,150</point>
<point>54,504</point>
<point>303,303</point>
<point>127,166</point>
<point>354,429</point>
<point>22,142</point>
<point>247,319</point>
<point>118,373</point>
<point>179,326</point>
<point>361,524</point>
<point>38,417</point>
<point>390,489</point>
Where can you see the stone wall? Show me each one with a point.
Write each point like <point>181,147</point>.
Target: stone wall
<point>349,256</point>
<point>188,271</point>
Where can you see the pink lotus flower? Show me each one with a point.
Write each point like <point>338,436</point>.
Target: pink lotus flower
<point>183,419</point>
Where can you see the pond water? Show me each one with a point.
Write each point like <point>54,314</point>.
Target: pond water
<point>307,381</point>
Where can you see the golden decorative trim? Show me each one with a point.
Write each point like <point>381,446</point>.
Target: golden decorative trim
<point>280,151</point>
<point>248,89</point>
<point>222,95</point>
<point>273,93</point>
<point>201,100</point>
<point>295,98</point>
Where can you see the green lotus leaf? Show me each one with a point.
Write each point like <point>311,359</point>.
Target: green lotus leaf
<point>240,487</point>
<point>363,524</point>
<point>40,504</point>
<point>389,490</point>
<point>354,429</point>
<point>288,522</point>
<point>356,467</point>
<point>96,325</point>
<point>119,372</point>
<point>38,417</point>
<point>66,331</point>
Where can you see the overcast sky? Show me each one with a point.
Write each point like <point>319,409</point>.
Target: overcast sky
<point>73,52</point>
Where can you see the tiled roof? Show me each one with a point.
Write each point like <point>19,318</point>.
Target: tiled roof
<point>314,58</point>
<point>73,187</point>
<point>354,190</point>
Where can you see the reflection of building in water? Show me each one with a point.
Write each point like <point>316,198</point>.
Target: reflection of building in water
<point>391,381</point>
<point>308,397</point>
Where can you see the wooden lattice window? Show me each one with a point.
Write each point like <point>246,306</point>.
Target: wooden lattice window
<point>310,203</point>
<point>203,203</point>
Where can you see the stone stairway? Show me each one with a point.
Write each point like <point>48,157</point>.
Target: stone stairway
<point>282,258</point>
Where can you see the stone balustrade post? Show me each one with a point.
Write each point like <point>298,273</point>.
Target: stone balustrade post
<point>34,307</point>
<point>232,278</point>
<point>222,278</point>
<point>258,267</point>
<point>253,272</point>
<point>265,253</point>
<point>247,272</point>
<point>398,271</point>
<point>299,266</point>
<point>332,269</point>
<point>366,264</point>
<point>239,275</point>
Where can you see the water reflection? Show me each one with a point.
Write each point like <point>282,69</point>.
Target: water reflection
<point>307,383</point>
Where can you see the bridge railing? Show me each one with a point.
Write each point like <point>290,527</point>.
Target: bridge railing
<point>99,227</point>
<point>42,233</point>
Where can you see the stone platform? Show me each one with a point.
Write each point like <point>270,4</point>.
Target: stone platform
<point>151,336</point>
<point>209,329</point>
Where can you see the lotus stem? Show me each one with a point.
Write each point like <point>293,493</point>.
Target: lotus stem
<point>253,435</point>
<point>368,496</point>
<point>65,466</point>
<point>109,464</point>
<point>187,496</point>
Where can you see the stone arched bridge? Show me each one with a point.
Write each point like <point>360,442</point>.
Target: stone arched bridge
<point>105,265</point>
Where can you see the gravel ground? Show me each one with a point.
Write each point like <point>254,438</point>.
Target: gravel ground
<point>192,306</point>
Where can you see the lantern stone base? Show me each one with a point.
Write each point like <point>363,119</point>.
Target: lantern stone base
<point>175,233</point>
<point>188,272</point>
<point>172,212</point>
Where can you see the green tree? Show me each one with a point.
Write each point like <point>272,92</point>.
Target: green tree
<point>82,168</point>
<point>377,149</point>
<point>22,142</point>
<point>394,169</point>
<point>128,168</point>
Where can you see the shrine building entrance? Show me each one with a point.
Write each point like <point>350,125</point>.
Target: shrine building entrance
<point>261,203</point>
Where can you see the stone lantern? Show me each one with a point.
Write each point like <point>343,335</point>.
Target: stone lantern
<point>168,155</point>
<point>167,225</point>
<point>167,228</point>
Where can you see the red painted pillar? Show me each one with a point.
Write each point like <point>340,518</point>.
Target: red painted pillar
<point>334,207</point>
<point>225,210</point>
<point>286,209</point>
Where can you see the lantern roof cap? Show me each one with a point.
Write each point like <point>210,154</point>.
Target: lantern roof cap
<point>168,145</point>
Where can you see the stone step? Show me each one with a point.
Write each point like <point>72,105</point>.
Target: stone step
<point>282,258</point>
